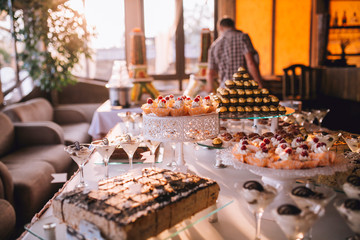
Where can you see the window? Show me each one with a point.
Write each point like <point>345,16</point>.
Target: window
<point>107,20</point>
<point>172,36</point>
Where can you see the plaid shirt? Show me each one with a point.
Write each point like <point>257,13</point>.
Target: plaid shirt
<point>227,53</point>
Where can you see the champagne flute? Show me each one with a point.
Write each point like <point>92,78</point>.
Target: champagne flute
<point>130,144</point>
<point>80,153</point>
<point>152,145</point>
<point>105,149</point>
<point>258,197</point>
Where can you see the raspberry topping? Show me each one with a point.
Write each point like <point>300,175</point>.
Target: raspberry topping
<point>299,139</point>
<point>207,97</point>
<point>179,99</point>
<point>266,141</point>
<point>243,147</point>
<point>278,138</point>
<point>263,145</point>
<point>184,97</point>
<point>305,154</point>
<point>245,143</point>
<point>160,97</point>
<point>198,96</point>
<point>163,100</point>
<point>150,101</point>
<point>320,144</point>
<point>283,146</point>
<point>304,146</point>
<point>188,99</point>
<point>288,150</point>
<point>315,140</point>
<point>196,100</point>
<point>167,98</point>
<point>171,96</point>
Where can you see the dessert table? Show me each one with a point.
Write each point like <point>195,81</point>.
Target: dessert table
<point>105,118</point>
<point>234,221</point>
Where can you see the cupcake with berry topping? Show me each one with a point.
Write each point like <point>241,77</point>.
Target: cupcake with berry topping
<point>285,161</point>
<point>170,100</point>
<point>281,147</point>
<point>297,142</point>
<point>196,108</point>
<point>161,110</point>
<point>148,105</point>
<point>260,158</point>
<point>301,148</point>
<point>241,152</point>
<point>321,154</point>
<point>208,104</point>
<point>307,162</point>
<point>178,108</point>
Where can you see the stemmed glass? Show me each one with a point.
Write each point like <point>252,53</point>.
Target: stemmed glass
<point>310,117</point>
<point>105,149</point>
<point>130,144</point>
<point>295,222</point>
<point>349,209</point>
<point>125,117</point>
<point>353,142</point>
<point>300,118</point>
<point>80,153</point>
<point>152,145</point>
<point>258,197</point>
<point>320,114</point>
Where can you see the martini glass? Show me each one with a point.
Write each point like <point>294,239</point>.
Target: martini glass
<point>80,153</point>
<point>295,222</point>
<point>125,117</point>
<point>310,117</point>
<point>320,114</point>
<point>152,145</point>
<point>328,138</point>
<point>130,144</point>
<point>258,197</point>
<point>353,142</point>
<point>300,118</point>
<point>105,149</point>
<point>350,210</point>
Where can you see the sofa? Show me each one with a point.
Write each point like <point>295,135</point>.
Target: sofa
<point>71,121</point>
<point>27,160</point>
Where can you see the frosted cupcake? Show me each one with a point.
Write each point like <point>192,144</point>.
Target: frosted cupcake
<point>196,108</point>
<point>208,104</point>
<point>161,110</point>
<point>179,108</point>
<point>148,105</point>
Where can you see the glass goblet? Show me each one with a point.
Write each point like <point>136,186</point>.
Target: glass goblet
<point>105,149</point>
<point>80,153</point>
<point>125,117</point>
<point>320,114</point>
<point>130,144</point>
<point>349,210</point>
<point>295,222</point>
<point>353,142</point>
<point>258,197</point>
<point>152,145</point>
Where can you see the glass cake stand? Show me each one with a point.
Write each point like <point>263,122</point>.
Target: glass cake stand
<point>61,229</point>
<point>281,177</point>
<point>257,116</point>
<point>179,130</point>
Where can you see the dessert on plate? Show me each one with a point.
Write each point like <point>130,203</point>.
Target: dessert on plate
<point>138,207</point>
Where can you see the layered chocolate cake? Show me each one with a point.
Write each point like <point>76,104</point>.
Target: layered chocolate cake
<point>128,207</point>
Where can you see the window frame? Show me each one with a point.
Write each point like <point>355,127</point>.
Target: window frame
<point>137,20</point>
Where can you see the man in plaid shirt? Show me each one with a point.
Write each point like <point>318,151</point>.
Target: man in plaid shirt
<point>227,53</point>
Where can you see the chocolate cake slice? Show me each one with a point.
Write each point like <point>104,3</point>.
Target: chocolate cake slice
<point>128,207</point>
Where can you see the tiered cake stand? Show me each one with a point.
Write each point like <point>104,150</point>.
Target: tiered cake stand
<point>274,118</point>
<point>180,130</point>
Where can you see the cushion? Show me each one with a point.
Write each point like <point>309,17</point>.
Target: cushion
<point>76,132</point>
<point>37,109</point>
<point>7,134</point>
<point>52,154</point>
<point>6,184</point>
<point>7,219</point>
<point>32,188</point>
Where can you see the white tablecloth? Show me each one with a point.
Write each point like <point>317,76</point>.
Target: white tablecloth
<point>235,220</point>
<point>105,118</point>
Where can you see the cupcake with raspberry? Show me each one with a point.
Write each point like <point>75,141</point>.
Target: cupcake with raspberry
<point>178,108</point>
<point>196,108</point>
<point>148,105</point>
<point>208,104</point>
<point>161,110</point>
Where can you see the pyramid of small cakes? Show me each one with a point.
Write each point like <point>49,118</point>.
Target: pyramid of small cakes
<point>242,95</point>
<point>181,106</point>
